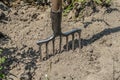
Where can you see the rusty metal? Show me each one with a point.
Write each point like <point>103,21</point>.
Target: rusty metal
<point>56,17</point>
<point>52,38</point>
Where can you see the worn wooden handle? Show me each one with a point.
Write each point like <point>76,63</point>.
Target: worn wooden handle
<point>56,5</point>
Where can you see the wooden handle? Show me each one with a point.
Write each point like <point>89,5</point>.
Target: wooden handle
<point>56,5</point>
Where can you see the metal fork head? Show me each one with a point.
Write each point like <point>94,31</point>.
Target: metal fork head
<point>53,37</point>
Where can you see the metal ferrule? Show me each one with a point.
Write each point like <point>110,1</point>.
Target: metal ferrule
<point>56,17</point>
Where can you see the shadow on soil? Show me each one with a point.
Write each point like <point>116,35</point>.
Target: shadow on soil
<point>30,57</point>
<point>13,60</point>
<point>85,42</point>
<point>4,38</point>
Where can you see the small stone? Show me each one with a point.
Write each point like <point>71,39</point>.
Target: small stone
<point>35,15</point>
<point>71,15</point>
<point>56,61</point>
<point>15,13</point>
<point>2,15</point>
<point>3,7</point>
<point>26,76</point>
<point>1,35</point>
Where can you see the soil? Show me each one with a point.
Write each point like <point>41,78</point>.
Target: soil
<point>99,58</point>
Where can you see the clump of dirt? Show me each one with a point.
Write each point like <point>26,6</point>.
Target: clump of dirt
<point>98,59</point>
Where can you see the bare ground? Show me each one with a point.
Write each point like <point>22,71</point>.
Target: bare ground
<point>99,58</point>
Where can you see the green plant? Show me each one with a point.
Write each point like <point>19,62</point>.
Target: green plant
<point>82,4</point>
<point>2,60</point>
<point>101,2</point>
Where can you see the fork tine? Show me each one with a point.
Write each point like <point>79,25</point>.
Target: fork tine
<point>40,52</point>
<point>66,35</point>
<point>79,42</point>
<point>47,55</point>
<point>60,43</point>
<point>67,43</point>
<point>53,42</point>
<point>73,42</point>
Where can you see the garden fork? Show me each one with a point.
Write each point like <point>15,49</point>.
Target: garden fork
<point>56,16</point>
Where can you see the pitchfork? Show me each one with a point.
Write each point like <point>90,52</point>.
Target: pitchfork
<point>56,16</point>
